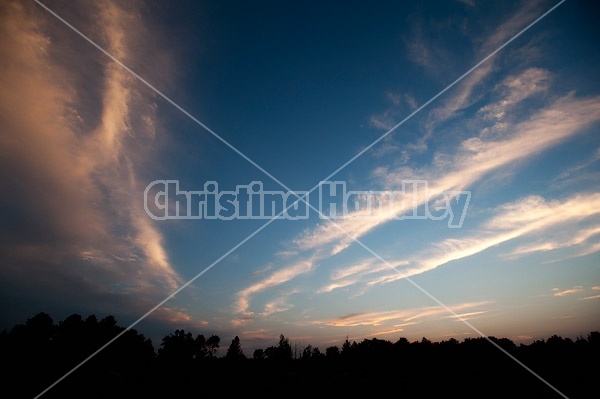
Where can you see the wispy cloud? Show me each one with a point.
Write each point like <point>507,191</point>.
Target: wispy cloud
<point>262,334</point>
<point>362,272</point>
<point>279,304</point>
<point>470,3</point>
<point>400,104</point>
<point>424,52</point>
<point>77,151</point>
<point>590,297</point>
<point>178,316</point>
<point>350,275</point>
<point>573,238</point>
<point>465,316</point>
<point>286,254</point>
<point>278,277</point>
<point>527,13</point>
<point>386,332</point>
<point>396,318</point>
<point>575,290</point>
<point>466,94</point>
<point>567,174</point>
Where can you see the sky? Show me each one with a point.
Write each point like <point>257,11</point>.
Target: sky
<point>486,174</point>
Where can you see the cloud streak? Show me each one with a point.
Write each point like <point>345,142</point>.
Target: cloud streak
<point>397,318</point>
<point>278,277</point>
<point>575,290</point>
<point>580,237</point>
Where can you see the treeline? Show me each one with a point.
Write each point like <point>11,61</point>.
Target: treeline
<point>37,353</point>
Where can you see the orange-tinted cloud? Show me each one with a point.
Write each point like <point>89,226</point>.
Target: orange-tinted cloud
<point>75,135</point>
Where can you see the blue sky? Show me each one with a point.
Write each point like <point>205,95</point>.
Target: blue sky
<point>300,90</point>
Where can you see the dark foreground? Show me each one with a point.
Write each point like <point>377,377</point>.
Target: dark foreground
<point>36,354</point>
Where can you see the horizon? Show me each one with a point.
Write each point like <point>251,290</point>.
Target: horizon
<point>464,135</point>
<point>297,347</point>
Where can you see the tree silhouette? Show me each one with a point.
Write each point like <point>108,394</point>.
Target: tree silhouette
<point>234,352</point>
<point>182,348</point>
<point>284,349</point>
<point>38,352</point>
<point>346,347</point>
<point>178,348</point>
<point>212,346</point>
<point>258,354</point>
<point>281,352</point>
<point>332,352</point>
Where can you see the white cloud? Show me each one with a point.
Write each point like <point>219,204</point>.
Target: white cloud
<point>278,305</point>
<point>590,297</point>
<point>575,290</point>
<point>465,316</point>
<point>355,273</point>
<point>573,238</point>
<point>516,88</point>
<point>278,277</point>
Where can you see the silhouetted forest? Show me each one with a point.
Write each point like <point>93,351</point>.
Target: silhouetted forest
<point>37,353</point>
